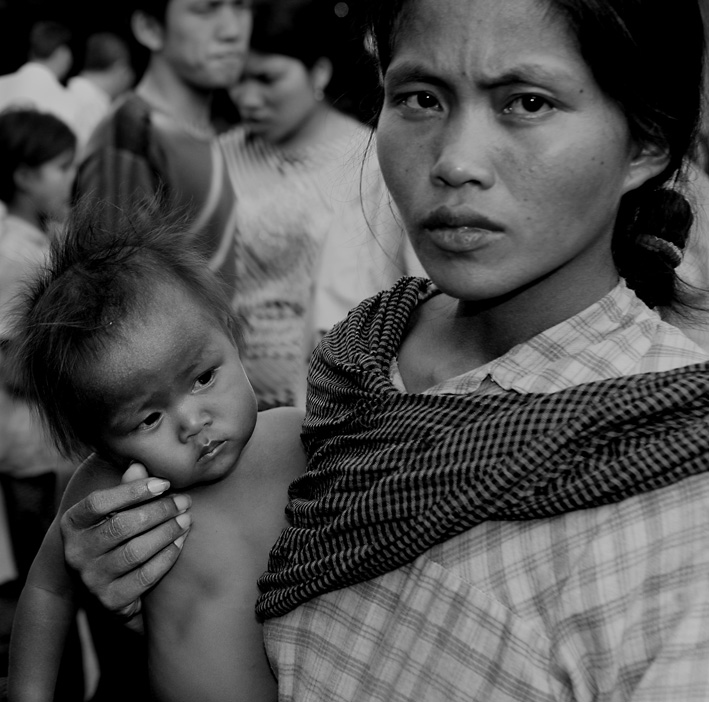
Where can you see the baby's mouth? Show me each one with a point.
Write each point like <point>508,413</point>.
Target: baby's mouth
<point>210,449</point>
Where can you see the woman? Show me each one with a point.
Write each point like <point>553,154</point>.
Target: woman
<point>506,489</point>
<point>315,235</point>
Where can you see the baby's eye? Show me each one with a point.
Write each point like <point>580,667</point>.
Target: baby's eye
<point>528,105</point>
<point>421,100</point>
<point>150,421</point>
<point>205,378</point>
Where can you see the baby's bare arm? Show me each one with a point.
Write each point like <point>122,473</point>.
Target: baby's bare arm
<point>42,620</point>
<point>47,605</point>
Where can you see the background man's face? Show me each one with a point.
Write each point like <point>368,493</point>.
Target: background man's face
<point>205,41</point>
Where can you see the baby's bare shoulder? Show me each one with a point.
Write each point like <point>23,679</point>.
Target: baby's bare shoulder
<point>276,447</point>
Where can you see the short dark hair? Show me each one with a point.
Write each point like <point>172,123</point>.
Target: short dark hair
<point>104,50</point>
<point>154,8</point>
<point>94,282</point>
<point>295,28</point>
<point>29,137</point>
<point>46,37</point>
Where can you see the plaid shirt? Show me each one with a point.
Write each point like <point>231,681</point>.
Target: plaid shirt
<point>605,604</point>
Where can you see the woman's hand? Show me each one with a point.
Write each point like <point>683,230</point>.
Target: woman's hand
<point>122,540</point>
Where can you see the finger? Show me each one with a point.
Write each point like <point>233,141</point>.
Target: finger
<point>99,504</point>
<point>103,539</point>
<point>136,471</point>
<point>123,596</point>
<point>135,553</point>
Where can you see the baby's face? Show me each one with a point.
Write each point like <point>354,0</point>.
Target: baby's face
<point>173,394</point>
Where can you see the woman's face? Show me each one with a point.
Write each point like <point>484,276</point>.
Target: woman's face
<point>275,96</point>
<point>506,160</point>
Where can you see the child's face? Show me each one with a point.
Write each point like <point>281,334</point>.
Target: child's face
<point>173,393</point>
<point>49,185</point>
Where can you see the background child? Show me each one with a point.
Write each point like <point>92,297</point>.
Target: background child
<point>37,167</point>
<point>127,346</point>
<point>37,172</point>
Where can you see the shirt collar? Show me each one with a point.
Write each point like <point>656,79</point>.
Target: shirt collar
<point>608,339</point>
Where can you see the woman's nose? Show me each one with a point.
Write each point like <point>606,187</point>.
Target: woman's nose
<point>464,153</point>
<point>247,96</point>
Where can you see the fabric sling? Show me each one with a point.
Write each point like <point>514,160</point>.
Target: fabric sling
<point>390,475</point>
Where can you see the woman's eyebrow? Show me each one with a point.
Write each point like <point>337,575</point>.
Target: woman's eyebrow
<point>525,73</point>
<point>411,72</point>
<point>531,73</point>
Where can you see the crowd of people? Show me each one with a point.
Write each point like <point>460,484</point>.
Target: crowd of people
<point>413,411</point>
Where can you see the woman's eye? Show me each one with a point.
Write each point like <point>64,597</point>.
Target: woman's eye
<point>205,378</point>
<point>528,105</point>
<point>421,100</point>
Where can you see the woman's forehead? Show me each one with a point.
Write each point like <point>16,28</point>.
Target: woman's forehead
<point>493,36</point>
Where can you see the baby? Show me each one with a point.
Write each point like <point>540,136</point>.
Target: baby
<point>126,344</point>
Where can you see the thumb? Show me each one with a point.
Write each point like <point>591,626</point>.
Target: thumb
<point>136,471</point>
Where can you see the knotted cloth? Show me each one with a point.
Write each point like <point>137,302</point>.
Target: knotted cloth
<point>390,474</point>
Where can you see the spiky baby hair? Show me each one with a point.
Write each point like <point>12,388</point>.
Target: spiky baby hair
<point>94,282</point>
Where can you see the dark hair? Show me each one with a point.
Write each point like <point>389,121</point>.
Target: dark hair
<point>94,282</point>
<point>154,8</point>
<point>47,37</point>
<point>29,138</point>
<point>295,28</point>
<point>104,50</point>
<point>647,56</point>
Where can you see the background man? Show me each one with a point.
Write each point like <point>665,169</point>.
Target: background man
<point>38,82</point>
<point>161,138</point>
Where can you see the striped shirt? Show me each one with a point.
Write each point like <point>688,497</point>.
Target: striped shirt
<point>609,603</point>
<point>313,239</point>
<point>139,152</point>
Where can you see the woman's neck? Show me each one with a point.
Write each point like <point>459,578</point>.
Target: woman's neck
<point>450,337</point>
<point>322,125</point>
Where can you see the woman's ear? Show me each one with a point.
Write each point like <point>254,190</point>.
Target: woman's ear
<point>24,178</point>
<point>147,30</point>
<point>321,74</point>
<point>648,161</point>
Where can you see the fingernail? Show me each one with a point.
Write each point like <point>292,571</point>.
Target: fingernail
<point>184,520</point>
<point>157,486</point>
<point>182,502</point>
<point>180,540</point>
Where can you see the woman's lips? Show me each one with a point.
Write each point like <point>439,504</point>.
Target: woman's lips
<point>460,239</point>
<point>459,230</point>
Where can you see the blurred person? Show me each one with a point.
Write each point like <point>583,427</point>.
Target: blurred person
<point>106,74</point>
<point>39,82</point>
<point>160,139</point>
<point>37,169</point>
<point>315,234</point>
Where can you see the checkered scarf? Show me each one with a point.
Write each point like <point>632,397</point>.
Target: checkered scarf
<point>390,474</point>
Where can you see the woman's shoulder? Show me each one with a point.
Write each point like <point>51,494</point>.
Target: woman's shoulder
<point>673,347</point>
